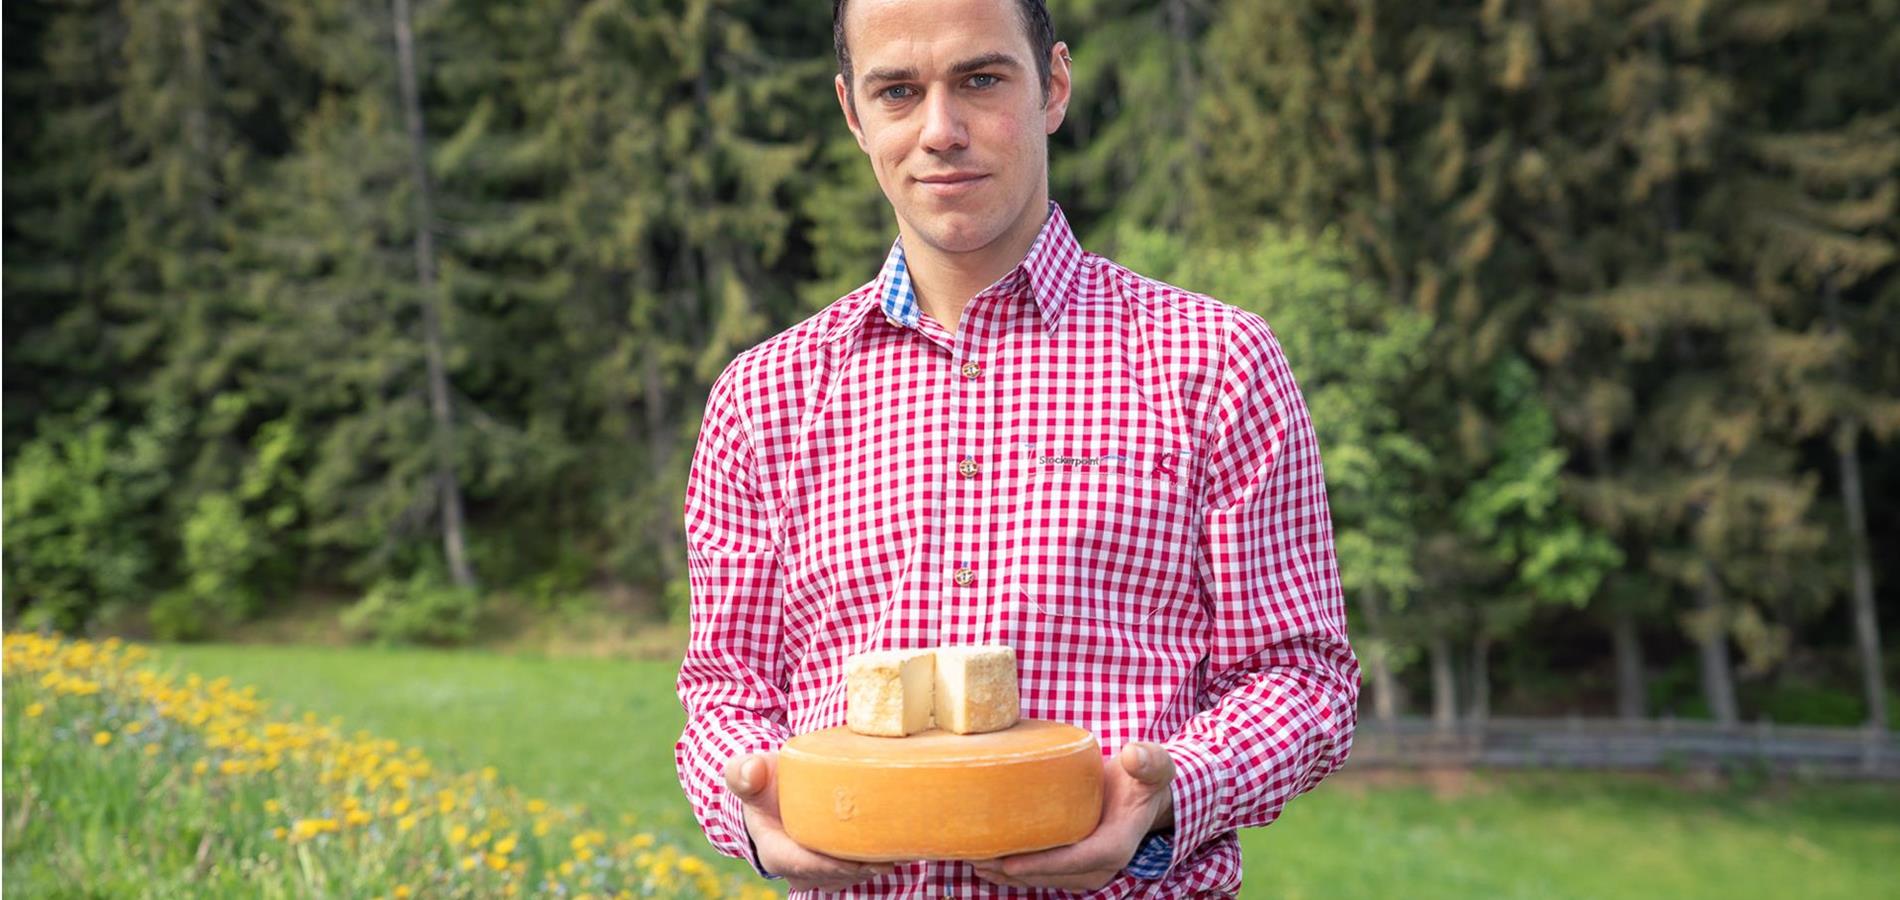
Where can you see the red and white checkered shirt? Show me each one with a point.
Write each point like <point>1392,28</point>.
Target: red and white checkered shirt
<point>1113,476</point>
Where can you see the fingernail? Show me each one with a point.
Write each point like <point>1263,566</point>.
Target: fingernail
<point>1141,757</point>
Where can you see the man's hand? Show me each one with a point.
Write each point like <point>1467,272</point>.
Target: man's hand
<point>1136,799</point>
<point>753,778</point>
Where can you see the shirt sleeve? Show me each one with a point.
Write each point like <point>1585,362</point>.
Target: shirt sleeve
<point>731,682</point>
<point>1282,689</point>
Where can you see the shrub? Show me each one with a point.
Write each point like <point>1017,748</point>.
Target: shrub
<point>421,610</point>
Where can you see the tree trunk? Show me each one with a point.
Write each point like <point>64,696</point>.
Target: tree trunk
<point>1378,660</point>
<point>1866,617</point>
<point>1480,709</point>
<point>1444,685</point>
<point>660,461</point>
<point>1853,499</point>
<point>448,490</point>
<point>1718,682</point>
<point>1630,690</point>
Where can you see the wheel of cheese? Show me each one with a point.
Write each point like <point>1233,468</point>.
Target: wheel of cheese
<point>939,795</point>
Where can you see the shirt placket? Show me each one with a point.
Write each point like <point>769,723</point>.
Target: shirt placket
<point>967,469</point>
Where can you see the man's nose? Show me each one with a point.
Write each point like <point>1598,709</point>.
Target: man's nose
<point>943,122</point>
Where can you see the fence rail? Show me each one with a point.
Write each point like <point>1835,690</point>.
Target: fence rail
<point>1660,744</point>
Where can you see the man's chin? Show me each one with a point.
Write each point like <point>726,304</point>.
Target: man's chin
<point>957,233</point>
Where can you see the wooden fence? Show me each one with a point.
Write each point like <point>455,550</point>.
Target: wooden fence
<point>1656,744</point>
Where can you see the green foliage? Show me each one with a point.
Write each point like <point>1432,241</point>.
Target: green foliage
<point>1592,303</point>
<point>80,499</point>
<point>222,551</point>
<point>422,609</point>
<point>1517,510</point>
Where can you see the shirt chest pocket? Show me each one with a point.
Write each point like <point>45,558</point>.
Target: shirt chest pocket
<point>1107,540</point>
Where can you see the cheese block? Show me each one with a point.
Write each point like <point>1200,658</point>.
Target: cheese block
<point>976,689</point>
<point>938,795</point>
<point>888,692</point>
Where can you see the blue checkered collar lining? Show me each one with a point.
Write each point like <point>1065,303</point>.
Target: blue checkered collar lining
<point>1050,266</point>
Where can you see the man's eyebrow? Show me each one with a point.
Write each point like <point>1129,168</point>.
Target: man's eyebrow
<point>986,61</point>
<point>889,74</point>
<point>963,67</point>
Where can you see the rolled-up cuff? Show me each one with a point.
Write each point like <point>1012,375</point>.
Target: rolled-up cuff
<point>1200,803</point>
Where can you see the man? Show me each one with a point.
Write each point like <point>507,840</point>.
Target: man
<point>1005,439</point>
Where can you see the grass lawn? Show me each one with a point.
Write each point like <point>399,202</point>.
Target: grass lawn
<point>600,732</point>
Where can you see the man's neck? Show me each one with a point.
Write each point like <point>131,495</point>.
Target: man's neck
<point>946,282</point>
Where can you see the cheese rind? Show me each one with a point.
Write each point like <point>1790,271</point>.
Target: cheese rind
<point>938,795</point>
<point>888,692</point>
<point>976,689</point>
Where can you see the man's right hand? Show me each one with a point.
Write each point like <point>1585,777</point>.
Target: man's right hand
<point>753,778</point>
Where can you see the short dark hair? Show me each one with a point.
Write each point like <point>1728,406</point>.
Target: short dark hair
<point>1035,17</point>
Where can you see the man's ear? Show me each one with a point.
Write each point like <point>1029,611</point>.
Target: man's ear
<point>1059,83</point>
<point>850,111</point>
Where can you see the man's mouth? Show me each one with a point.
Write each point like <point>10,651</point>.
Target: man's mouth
<point>950,184</point>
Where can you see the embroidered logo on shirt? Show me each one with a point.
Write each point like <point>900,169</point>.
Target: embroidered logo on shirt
<point>1164,467</point>
<point>1076,460</point>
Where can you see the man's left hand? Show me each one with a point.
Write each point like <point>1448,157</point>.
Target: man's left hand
<point>1136,799</point>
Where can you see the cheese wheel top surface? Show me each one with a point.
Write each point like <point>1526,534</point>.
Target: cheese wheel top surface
<point>1028,739</point>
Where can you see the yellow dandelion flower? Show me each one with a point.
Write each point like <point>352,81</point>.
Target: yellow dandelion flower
<point>506,845</point>
<point>402,890</point>
<point>468,863</point>
<point>567,868</point>
<point>642,840</point>
<point>489,773</point>
<point>102,738</point>
<point>534,806</point>
<point>497,862</point>
<point>272,806</point>
<point>457,835</point>
<point>357,817</point>
<point>200,767</point>
<point>399,807</point>
<point>306,829</point>
<point>33,710</point>
<point>405,823</point>
<point>583,854</point>
<point>151,749</point>
<point>134,727</point>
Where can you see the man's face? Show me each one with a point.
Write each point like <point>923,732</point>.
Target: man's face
<point>948,105</point>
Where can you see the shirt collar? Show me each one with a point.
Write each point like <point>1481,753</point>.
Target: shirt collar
<point>1050,267</point>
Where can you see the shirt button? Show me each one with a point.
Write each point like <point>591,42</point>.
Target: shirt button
<point>972,370</point>
<point>965,577</point>
<point>967,468</point>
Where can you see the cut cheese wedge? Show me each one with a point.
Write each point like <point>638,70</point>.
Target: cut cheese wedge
<point>939,795</point>
<point>889,692</point>
<point>976,689</point>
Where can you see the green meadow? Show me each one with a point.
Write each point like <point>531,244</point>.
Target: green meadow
<point>600,733</point>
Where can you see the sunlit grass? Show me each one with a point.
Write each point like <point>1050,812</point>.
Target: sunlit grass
<point>122,779</point>
<point>600,732</point>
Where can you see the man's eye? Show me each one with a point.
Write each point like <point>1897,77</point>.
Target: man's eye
<point>984,81</point>
<point>896,92</point>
